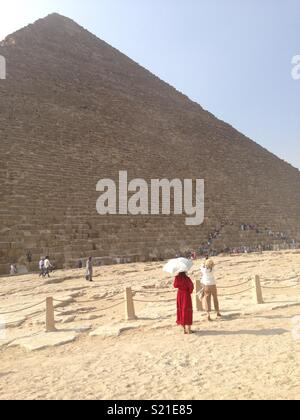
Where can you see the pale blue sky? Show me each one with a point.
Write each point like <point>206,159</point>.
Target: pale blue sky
<point>231,56</point>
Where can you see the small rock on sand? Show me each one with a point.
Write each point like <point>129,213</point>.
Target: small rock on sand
<point>112,330</point>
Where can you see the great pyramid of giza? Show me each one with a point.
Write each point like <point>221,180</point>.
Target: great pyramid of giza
<point>74,110</point>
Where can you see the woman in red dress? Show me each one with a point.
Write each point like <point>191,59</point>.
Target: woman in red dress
<point>185,288</point>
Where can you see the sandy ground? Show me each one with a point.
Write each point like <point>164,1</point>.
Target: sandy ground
<point>252,353</point>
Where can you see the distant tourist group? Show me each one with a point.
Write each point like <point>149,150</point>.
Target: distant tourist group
<point>45,267</point>
<point>185,288</point>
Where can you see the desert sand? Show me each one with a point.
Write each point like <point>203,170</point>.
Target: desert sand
<point>252,353</point>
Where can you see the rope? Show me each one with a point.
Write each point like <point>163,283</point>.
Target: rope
<point>279,280</point>
<point>61,301</point>
<point>7,324</point>
<point>233,294</point>
<point>97,300</point>
<point>27,318</point>
<point>279,287</point>
<point>86,301</point>
<point>59,311</point>
<point>109,307</point>
<point>154,291</point>
<point>33,316</point>
<point>154,301</point>
<point>235,285</point>
<point>103,298</point>
<point>117,294</point>
<point>20,310</point>
<point>115,300</point>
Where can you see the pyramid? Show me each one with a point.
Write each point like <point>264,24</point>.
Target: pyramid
<point>74,110</point>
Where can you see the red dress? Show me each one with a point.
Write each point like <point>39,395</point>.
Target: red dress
<point>185,288</point>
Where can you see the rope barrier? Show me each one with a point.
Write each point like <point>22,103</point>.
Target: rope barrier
<point>27,318</point>
<point>97,300</point>
<point>58,311</point>
<point>235,285</point>
<point>7,324</point>
<point>233,294</point>
<point>23,309</point>
<point>33,316</point>
<point>279,280</point>
<point>279,287</point>
<point>119,293</point>
<point>115,300</point>
<point>109,307</point>
<point>154,291</point>
<point>154,301</point>
<point>85,301</point>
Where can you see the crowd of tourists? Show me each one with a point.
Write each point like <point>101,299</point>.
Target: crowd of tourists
<point>208,246</point>
<point>266,231</point>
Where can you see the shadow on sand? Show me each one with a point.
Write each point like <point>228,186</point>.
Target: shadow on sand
<point>266,332</point>
<point>3,374</point>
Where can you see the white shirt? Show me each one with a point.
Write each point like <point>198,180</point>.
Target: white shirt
<point>208,278</point>
<point>47,264</point>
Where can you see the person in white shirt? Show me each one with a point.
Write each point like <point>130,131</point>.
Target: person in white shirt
<point>209,287</point>
<point>41,267</point>
<point>47,266</point>
<point>13,270</point>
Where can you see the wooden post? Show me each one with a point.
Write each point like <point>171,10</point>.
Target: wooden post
<point>129,305</point>
<point>197,301</point>
<point>50,324</point>
<point>258,296</point>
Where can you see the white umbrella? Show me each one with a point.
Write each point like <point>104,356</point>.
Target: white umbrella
<point>178,265</point>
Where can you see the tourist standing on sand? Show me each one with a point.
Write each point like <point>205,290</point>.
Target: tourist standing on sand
<point>89,269</point>
<point>47,267</point>
<point>185,288</point>
<point>210,287</point>
<point>13,270</point>
<point>41,267</point>
<point>29,257</point>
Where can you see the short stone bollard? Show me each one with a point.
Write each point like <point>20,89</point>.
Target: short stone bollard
<point>257,294</point>
<point>197,300</point>
<point>50,323</point>
<point>129,305</point>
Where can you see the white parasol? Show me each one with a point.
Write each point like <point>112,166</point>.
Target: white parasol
<point>178,265</point>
